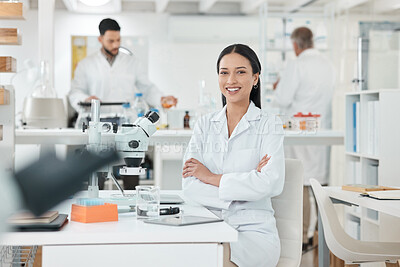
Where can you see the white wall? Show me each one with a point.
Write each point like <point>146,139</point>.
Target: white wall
<point>175,67</point>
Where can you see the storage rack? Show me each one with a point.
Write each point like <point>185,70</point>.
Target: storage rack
<point>372,157</point>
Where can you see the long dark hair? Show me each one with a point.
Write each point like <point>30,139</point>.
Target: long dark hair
<point>247,52</point>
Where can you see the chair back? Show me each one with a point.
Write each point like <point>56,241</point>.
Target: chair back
<point>288,208</point>
<point>338,242</point>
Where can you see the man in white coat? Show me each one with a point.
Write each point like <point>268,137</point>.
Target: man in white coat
<point>112,76</point>
<point>307,85</point>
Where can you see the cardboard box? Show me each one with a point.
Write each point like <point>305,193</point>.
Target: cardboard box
<point>4,96</point>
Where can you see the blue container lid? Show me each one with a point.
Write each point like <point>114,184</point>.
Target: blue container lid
<point>138,94</point>
<point>140,114</point>
<point>126,105</point>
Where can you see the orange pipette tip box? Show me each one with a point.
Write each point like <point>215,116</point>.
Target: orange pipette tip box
<point>90,214</point>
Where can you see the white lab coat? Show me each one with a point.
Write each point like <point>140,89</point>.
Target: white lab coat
<point>307,85</point>
<point>243,198</point>
<point>111,83</point>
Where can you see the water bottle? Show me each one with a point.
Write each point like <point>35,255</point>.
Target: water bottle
<point>140,105</point>
<point>128,115</point>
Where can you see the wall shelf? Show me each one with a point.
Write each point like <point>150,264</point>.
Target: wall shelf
<point>11,10</point>
<point>361,155</point>
<point>4,96</point>
<point>8,64</point>
<point>9,36</point>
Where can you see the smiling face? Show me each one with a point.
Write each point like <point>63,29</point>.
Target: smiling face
<point>236,78</point>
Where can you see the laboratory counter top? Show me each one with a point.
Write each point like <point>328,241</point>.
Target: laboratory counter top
<point>71,136</point>
<point>127,230</point>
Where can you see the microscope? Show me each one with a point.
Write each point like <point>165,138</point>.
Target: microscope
<point>131,142</point>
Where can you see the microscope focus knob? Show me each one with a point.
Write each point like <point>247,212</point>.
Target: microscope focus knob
<point>133,144</point>
<point>84,127</point>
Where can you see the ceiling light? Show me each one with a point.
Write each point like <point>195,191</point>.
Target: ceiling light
<point>95,2</point>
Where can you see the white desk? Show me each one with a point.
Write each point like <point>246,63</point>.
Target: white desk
<point>390,207</point>
<point>163,137</point>
<point>130,242</point>
<point>337,195</point>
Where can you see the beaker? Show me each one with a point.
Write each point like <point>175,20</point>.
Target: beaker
<point>147,202</point>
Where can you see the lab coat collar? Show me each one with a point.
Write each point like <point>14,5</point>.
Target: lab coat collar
<point>219,119</point>
<point>253,113</point>
<point>309,51</point>
<point>105,61</point>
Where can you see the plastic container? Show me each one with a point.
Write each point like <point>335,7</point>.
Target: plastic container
<point>90,214</point>
<point>139,105</point>
<point>306,122</point>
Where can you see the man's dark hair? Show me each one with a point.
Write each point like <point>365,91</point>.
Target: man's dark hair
<point>108,25</point>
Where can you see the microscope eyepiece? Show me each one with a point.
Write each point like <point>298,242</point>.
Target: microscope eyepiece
<point>152,116</point>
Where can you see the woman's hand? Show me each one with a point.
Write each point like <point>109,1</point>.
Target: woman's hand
<point>263,162</point>
<point>195,168</point>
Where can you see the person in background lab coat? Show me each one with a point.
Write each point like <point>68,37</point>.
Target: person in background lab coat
<point>234,162</point>
<point>307,85</point>
<point>112,76</point>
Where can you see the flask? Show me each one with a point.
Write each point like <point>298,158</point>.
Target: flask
<point>140,105</point>
<point>186,120</point>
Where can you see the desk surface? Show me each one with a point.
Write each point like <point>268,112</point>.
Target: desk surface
<point>77,137</point>
<point>390,207</point>
<point>127,230</point>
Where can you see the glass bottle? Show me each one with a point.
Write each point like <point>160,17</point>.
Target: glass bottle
<point>186,120</point>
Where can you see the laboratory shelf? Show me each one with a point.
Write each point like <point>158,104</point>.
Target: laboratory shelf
<point>372,221</point>
<point>376,162</point>
<point>354,214</point>
<point>362,155</point>
<point>353,154</point>
<point>375,91</point>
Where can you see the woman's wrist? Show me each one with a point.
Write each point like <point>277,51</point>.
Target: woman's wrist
<point>215,179</point>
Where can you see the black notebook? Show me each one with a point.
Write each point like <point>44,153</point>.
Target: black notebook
<point>55,225</point>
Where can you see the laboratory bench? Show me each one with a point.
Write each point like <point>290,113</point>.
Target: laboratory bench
<point>129,242</point>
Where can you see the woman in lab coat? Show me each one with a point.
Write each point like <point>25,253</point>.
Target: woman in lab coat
<point>234,163</point>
